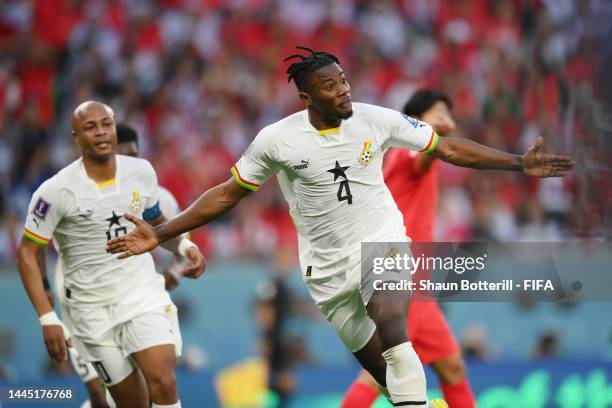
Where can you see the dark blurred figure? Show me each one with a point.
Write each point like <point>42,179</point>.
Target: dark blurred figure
<point>474,344</point>
<point>7,341</point>
<point>547,346</point>
<point>274,307</point>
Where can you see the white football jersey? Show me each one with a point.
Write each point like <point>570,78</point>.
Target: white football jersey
<point>169,208</point>
<point>167,203</point>
<point>80,216</point>
<point>333,179</point>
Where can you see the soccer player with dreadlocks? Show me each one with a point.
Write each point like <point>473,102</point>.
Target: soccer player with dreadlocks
<point>328,161</point>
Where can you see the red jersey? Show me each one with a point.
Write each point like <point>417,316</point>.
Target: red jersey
<point>415,192</point>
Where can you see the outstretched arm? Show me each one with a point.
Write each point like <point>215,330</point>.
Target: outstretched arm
<point>55,336</point>
<point>466,153</point>
<point>210,205</point>
<point>181,247</point>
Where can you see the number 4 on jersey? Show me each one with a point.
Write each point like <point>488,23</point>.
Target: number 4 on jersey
<point>344,191</point>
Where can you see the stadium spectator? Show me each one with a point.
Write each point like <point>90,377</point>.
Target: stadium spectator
<point>198,78</point>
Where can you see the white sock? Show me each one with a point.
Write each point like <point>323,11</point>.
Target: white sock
<point>405,375</point>
<point>177,404</point>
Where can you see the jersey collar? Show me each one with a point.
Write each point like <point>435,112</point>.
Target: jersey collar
<point>98,187</point>
<point>322,136</point>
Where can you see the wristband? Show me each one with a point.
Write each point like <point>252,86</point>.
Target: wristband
<point>184,245</point>
<point>51,319</point>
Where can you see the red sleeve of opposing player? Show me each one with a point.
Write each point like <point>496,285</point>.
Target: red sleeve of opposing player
<point>402,162</point>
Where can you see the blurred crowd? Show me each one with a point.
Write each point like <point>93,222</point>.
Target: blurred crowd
<point>199,78</point>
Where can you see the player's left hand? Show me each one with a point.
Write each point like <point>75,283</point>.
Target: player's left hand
<point>50,297</point>
<point>196,265</point>
<point>538,164</point>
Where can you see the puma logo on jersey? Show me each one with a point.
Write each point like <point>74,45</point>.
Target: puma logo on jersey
<point>304,164</point>
<point>366,155</point>
<point>87,214</point>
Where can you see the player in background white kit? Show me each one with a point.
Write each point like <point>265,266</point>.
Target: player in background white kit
<point>328,161</point>
<point>127,145</point>
<point>119,314</point>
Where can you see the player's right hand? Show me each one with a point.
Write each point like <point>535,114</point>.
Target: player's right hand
<point>170,280</point>
<point>140,240</point>
<point>56,342</point>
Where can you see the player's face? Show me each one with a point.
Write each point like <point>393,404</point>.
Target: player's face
<point>128,149</point>
<point>440,118</point>
<point>95,132</point>
<point>329,95</point>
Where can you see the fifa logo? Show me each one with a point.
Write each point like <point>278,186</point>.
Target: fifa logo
<point>365,157</point>
<point>135,204</point>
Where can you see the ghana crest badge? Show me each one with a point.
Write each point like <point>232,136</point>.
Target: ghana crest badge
<point>366,155</point>
<point>135,204</point>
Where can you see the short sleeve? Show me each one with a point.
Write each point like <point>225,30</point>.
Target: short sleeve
<point>404,131</point>
<point>152,209</point>
<point>257,164</point>
<point>167,203</point>
<point>44,213</point>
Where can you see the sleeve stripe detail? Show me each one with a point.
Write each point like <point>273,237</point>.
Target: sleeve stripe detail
<point>433,142</point>
<point>152,213</point>
<point>242,182</point>
<point>36,238</point>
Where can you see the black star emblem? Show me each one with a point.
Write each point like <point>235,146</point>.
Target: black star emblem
<point>338,171</point>
<point>114,220</point>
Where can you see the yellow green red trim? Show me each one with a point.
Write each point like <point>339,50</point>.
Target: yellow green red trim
<point>242,182</point>
<point>36,238</point>
<point>433,142</point>
<point>328,131</point>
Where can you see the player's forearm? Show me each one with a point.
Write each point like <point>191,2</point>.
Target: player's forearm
<point>424,162</point>
<point>42,264</point>
<point>31,276</point>
<point>210,205</point>
<point>172,244</point>
<point>466,153</point>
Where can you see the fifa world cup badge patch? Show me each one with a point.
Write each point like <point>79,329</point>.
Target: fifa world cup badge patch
<point>366,155</point>
<point>135,204</point>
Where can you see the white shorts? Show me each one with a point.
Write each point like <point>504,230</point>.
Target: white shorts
<point>83,368</point>
<point>343,295</point>
<point>338,296</point>
<point>111,356</point>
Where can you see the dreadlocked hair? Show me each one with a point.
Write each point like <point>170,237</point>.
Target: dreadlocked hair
<point>299,71</point>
